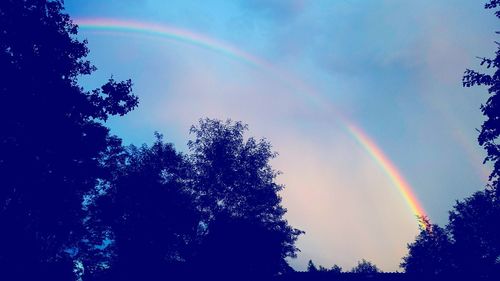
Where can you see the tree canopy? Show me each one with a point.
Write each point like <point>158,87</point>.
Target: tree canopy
<point>149,211</point>
<point>215,211</point>
<point>365,267</point>
<point>52,135</point>
<point>430,253</point>
<point>239,199</point>
<point>473,224</point>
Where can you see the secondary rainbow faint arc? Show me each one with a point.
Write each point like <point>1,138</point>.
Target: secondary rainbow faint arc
<point>187,36</point>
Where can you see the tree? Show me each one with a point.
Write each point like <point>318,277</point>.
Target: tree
<point>150,213</point>
<point>473,223</point>
<point>322,269</point>
<point>51,138</point>
<point>490,129</point>
<point>237,248</point>
<point>336,269</point>
<point>430,254</point>
<point>311,267</point>
<point>236,192</point>
<point>365,267</point>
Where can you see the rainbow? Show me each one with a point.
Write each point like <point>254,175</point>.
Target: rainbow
<point>192,38</point>
<point>389,168</point>
<point>172,33</point>
<point>196,39</point>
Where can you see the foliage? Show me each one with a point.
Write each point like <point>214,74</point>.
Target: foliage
<point>473,224</point>
<point>311,267</point>
<point>240,248</point>
<point>322,269</point>
<point>335,269</point>
<point>231,174</point>
<point>52,138</point>
<point>215,212</point>
<point>150,213</point>
<point>469,245</point>
<point>430,253</point>
<point>236,192</point>
<point>365,267</point>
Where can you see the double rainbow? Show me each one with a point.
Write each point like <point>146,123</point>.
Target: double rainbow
<point>192,38</point>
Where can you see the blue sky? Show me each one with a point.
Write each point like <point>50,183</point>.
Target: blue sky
<point>392,67</point>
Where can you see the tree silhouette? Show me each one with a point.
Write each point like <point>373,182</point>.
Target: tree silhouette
<point>311,267</point>
<point>490,130</point>
<point>239,248</point>
<point>150,213</point>
<point>336,269</point>
<point>322,269</point>
<point>474,226</point>
<point>365,267</point>
<point>430,254</point>
<point>238,196</point>
<point>473,222</point>
<point>51,139</point>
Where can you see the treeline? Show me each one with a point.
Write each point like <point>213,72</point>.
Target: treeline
<point>75,204</point>
<point>212,212</point>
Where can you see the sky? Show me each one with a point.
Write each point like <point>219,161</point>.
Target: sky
<point>302,74</point>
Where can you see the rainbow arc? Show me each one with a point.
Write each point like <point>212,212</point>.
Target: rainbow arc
<point>192,38</point>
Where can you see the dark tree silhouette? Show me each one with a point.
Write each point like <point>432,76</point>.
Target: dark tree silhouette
<point>365,267</point>
<point>490,130</point>
<point>322,269</point>
<point>336,269</point>
<point>474,225</point>
<point>238,196</point>
<point>51,138</point>
<point>149,211</point>
<point>430,253</point>
<point>474,221</point>
<point>241,249</point>
<point>311,267</point>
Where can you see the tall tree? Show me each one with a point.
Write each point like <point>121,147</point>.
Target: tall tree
<point>474,221</point>
<point>51,137</point>
<point>150,213</point>
<point>237,192</point>
<point>474,225</point>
